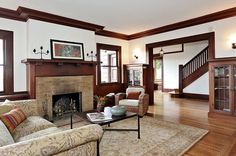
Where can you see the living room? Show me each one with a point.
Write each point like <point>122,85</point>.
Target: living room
<point>32,69</point>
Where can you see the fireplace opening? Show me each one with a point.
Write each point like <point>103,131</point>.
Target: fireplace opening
<point>64,104</point>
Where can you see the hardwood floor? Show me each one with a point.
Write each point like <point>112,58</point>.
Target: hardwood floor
<point>221,139</point>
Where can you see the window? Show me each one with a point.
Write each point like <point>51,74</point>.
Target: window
<point>109,61</point>
<point>6,62</point>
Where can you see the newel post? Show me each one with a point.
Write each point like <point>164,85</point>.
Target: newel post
<point>180,79</point>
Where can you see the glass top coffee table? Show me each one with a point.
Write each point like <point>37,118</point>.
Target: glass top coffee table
<point>112,120</point>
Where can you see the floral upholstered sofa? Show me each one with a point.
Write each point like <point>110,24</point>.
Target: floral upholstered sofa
<point>37,136</point>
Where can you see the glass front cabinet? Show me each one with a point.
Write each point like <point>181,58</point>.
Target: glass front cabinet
<point>223,87</point>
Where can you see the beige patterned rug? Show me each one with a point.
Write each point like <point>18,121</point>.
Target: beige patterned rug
<point>158,138</point>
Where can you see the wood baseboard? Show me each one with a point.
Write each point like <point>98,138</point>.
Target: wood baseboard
<point>195,96</point>
<point>167,90</point>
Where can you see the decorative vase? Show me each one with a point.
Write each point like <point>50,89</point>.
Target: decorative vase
<point>100,108</point>
<point>118,110</point>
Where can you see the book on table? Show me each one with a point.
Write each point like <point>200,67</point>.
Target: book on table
<point>96,117</point>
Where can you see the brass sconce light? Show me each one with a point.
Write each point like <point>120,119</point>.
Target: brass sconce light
<point>234,45</point>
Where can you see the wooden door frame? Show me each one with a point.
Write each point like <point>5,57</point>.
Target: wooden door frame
<point>158,56</point>
<point>149,51</point>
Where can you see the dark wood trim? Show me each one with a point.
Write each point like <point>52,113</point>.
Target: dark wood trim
<point>119,53</point>
<point>112,34</point>
<point>16,96</point>
<point>195,96</point>
<point>57,61</point>
<point>167,90</point>
<point>11,14</point>
<point>187,23</point>
<point>7,37</point>
<point>207,36</point>
<point>47,17</point>
<point>149,50</point>
<point>222,59</point>
<point>51,68</point>
<point>23,14</point>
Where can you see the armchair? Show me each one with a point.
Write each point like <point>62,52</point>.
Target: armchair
<point>135,100</point>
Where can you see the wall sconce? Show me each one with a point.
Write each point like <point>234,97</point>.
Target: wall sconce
<point>234,45</point>
<point>161,52</point>
<point>92,55</point>
<point>41,52</point>
<point>135,56</point>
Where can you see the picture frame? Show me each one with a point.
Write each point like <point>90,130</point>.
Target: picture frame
<point>67,50</point>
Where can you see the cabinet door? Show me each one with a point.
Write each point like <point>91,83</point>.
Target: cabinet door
<point>222,89</point>
<point>234,89</point>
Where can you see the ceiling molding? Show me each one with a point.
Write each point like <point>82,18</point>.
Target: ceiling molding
<point>112,34</point>
<point>10,14</point>
<point>47,17</point>
<point>191,22</point>
<point>23,14</point>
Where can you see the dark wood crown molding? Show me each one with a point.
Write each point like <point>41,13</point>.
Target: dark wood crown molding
<point>191,22</point>
<point>23,14</point>
<point>112,34</point>
<point>10,14</point>
<point>47,17</point>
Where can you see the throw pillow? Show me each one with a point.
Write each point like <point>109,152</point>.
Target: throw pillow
<point>133,95</point>
<point>13,118</point>
<point>6,107</point>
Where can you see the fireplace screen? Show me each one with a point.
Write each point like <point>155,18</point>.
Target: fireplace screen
<point>66,103</point>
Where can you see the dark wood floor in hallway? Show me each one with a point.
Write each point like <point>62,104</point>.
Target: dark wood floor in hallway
<point>221,139</point>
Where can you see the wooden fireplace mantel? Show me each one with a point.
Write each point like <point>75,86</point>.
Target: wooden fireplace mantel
<point>50,68</point>
<point>59,62</point>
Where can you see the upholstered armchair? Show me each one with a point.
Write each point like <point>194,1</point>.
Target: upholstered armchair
<point>134,100</point>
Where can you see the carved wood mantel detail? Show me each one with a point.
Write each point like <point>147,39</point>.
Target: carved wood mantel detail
<point>46,68</point>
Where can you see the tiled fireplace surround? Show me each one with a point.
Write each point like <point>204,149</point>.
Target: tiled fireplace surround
<point>48,86</point>
<point>49,77</point>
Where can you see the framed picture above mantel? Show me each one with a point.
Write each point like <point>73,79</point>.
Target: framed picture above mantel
<point>67,50</point>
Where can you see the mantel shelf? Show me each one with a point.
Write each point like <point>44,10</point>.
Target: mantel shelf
<point>59,62</point>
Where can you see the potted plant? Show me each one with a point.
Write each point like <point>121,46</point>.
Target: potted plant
<point>101,102</point>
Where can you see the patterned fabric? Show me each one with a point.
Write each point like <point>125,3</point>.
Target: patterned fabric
<point>13,118</point>
<point>6,107</point>
<point>66,142</point>
<point>30,125</point>
<point>133,95</point>
<point>39,134</point>
<point>143,103</point>
<point>5,136</point>
<point>29,107</point>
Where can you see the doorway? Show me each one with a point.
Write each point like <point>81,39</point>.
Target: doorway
<point>158,72</point>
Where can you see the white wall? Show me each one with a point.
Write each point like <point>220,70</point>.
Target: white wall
<point>225,34</point>
<point>20,50</point>
<point>33,34</point>
<point>40,33</point>
<point>171,62</point>
<point>119,42</point>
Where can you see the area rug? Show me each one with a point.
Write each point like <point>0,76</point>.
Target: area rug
<point>158,138</point>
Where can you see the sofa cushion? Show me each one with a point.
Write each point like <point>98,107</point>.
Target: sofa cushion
<point>30,125</point>
<point>133,95</point>
<point>129,102</point>
<point>6,107</point>
<point>13,118</point>
<point>5,136</point>
<point>39,134</point>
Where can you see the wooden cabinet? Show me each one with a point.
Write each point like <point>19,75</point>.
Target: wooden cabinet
<point>135,74</point>
<point>223,86</point>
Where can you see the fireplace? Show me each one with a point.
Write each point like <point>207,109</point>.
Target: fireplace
<point>63,104</point>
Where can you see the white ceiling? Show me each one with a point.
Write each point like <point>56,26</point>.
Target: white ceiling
<point>125,16</point>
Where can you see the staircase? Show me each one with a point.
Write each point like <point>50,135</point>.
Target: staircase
<point>193,69</point>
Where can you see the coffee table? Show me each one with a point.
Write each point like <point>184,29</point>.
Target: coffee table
<point>114,119</point>
<point>83,115</point>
